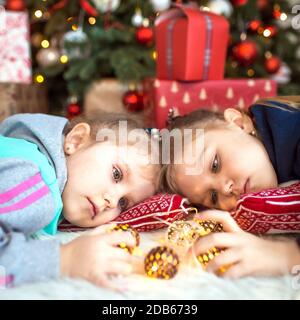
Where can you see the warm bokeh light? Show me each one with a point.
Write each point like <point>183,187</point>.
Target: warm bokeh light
<point>92,20</point>
<point>45,44</point>
<point>267,33</point>
<point>64,58</point>
<point>205,8</point>
<point>243,36</point>
<point>250,72</point>
<point>38,14</point>
<point>39,78</point>
<point>146,22</point>
<point>283,16</point>
<point>268,54</point>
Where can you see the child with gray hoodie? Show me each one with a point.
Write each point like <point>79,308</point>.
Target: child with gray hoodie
<point>52,169</point>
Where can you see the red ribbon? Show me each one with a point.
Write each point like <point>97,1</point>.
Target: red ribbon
<point>59,5</point>
<point>88,8</point>
<point>85,5</point>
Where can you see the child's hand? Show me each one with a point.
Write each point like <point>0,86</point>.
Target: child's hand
<point>245,253</point>
<point>95,256</point>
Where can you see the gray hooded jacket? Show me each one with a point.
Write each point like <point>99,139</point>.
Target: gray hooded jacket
<point>23,259</point>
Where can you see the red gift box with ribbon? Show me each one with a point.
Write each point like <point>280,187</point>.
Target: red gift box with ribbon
<point>191,44</point>
<point>216,95</point>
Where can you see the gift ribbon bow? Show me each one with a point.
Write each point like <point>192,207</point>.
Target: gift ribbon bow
<point>208,46</point>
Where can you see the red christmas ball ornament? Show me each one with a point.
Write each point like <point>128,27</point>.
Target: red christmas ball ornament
<point>73,110</point>
<point>238,3</point>
<point>15,5</point>
<point>133,100</point>
<point>245,52</point>
<point>276,14</point>
<point>272,64</point>
<point>262,4</point>
<point>144,35</point>
<point>253,26</point>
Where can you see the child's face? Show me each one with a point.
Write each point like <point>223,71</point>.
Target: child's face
<point>102,183</point>
<point>234,163</point>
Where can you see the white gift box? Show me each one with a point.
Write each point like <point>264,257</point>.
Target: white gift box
<point>15,56</point>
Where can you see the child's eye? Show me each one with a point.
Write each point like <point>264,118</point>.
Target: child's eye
<point>117,174</point>
<point>214,197</point>
<point>215,164</point>
<point>123,203</point>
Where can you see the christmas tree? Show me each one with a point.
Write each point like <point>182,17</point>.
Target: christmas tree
<point>264,40</point>
<point>75,42</point>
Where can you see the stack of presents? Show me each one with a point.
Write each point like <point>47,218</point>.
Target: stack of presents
<point>191,53</point>
<point>17,93</point>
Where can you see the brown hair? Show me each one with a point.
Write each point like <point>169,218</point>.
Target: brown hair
<point>198,119</point>
<point>103,120</point>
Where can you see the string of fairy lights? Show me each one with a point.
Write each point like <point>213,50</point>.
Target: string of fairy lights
<point>164,261</point>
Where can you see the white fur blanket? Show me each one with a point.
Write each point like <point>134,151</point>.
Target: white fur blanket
<point>190,283</point>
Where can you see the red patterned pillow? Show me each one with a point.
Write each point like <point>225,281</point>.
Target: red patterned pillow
<point>154,213</point>
<point>270,211</point>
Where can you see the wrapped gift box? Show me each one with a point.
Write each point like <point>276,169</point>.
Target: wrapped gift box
<point>191,44</point>
<point>106,96</point>
<point>184,97</point>
<point>22,98</point>
<point>15,54</point>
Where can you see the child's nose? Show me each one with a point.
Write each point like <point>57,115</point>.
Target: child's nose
<point>228,188</point>
<point>111,201</point>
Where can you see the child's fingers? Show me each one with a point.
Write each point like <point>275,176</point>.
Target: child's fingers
<point>222,217</point>
<point>116,238</point>
<point>137,265</point>
<point>118,267</point>
<point>219,240</point>
<point>236,271</point>
<point>120,254</point>
<point>100,281</point>
<point>226,258</point>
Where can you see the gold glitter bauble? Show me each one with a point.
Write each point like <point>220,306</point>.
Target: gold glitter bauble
<point>208,256</point>
<point>203,229</point>
<point>161,262</point>
<point>134,233</point>
<point>182,233</point>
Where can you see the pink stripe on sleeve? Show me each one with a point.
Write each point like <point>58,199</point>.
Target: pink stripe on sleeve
<point>29,200</point>
<point>25,185</point>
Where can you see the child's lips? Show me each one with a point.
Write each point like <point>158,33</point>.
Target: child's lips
<point>246,187</point>
<point>94,209</point>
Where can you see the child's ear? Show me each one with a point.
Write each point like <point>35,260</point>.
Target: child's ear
<point>233,116</point>
<point>77,138</point>
<point>242,120</point>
